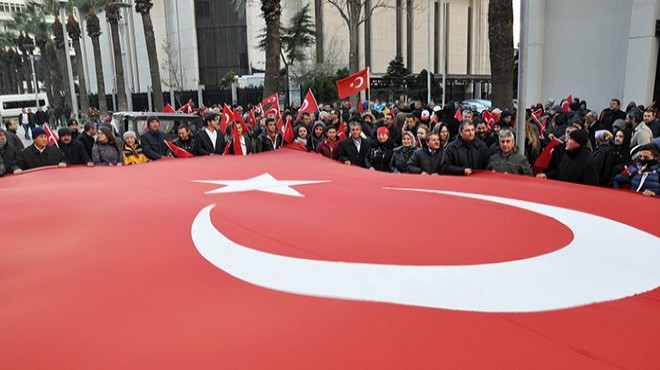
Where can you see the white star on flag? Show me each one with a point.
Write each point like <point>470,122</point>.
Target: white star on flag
<point>264,182</point>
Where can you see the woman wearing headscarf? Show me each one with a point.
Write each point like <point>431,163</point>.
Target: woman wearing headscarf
<point>401,154</point>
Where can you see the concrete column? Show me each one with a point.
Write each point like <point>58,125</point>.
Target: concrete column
<point>642,53</point>
<point>535,54</point>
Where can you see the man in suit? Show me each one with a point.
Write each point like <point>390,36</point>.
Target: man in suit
<point>210,140</point>
<point>354,150</point>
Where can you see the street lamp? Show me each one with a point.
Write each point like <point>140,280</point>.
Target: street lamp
<point>30,49</point>
<point>74,98</point>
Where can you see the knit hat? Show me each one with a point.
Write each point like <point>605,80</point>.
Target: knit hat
<point>619,124</point>
<point>64,131</point>
<point>128,134</point>
<point>382,130</point>
<point>580,136</point>
<point>152,118</point>
<point>417,114</point>
<point>37,131</point>
<point>505,114</point>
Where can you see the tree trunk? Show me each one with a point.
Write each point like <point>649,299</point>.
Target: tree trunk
<point>271,10</point>
<point>82,81</point>
<point>500,36</point>
<point>153,62</point>
<point>354,7</point>
<point>100,83</point>
<point>27,72</point>
<point>66,86</point>
<point>48,83</point>
<point>122,103</point>
<point>53,70</point>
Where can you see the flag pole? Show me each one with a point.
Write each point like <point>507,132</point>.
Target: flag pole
<point>368,89</point>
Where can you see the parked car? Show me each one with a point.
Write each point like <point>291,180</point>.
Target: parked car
<point>169,122</point>
<point>478,105</point>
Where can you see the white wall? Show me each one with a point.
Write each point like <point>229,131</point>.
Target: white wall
<point>601,50</point>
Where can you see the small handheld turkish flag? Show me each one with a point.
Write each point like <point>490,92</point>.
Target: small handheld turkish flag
<point>168,109</point>
<point>459,114</point>
<point>186,108</point>
<point>227,117</point>
<point>52,137</point>
<point>353,84</point>
<point>178,152</point>
<point>566,105</point>
<point>308,105</point>
<point>252,120</point>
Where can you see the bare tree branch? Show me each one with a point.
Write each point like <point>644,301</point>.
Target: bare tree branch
<point>340,8</point>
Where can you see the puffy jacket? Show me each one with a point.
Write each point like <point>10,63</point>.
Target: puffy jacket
<point>134,155</point>
<point>424,160</point>
<point>634,177</point>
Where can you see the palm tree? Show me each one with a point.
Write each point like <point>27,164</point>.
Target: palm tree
<point>8,41</point>
<point>94,32</point>
<point>60,39</point>
<point>73,29</point>
<point>112,16</point>
<point>22,41</point>
<point>143,7</point>
<point>500,37</point>
<point>272,11</point>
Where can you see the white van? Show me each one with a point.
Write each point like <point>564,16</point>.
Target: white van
<point>11,105</point>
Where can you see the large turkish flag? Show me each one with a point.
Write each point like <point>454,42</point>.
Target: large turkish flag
<point>287,260</point>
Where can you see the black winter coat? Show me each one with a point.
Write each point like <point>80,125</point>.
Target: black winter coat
<point>400,158</point>
<point>577,166</point>
<point>9,156</point>
<point>87,142</point>
<point>348,152</point>
<point>380,156</point>
<point>30,157</point>
<point>205,145</point>
<point>424,160</point>
<point>460,155</point>
<point>153,145</point>
<point>74,153</point>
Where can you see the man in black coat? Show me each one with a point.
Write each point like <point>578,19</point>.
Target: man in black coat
<point>269,139</point>
<point>87,138</point>
<point>426,161</point>
<point>12,136</point>
<point>611,114</point>
<point>578,165</point>
<point>185,140</point>
<point>40,153</point>
<point>465,154</point>
<point>74,151</point>
<point>8,154</point>
<point>354,150</point>
<point>210,140</point>
<point>153,141</point>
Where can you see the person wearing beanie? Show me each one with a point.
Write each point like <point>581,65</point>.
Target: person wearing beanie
<point>644,176</point>
<point>39,154</point>
<point>153,141</point>
<point>380,154</point>
<point>74,151</point>
<point>577,165</point>
<point>505,120</point>
<point>132,152</point>
<point>8,154</point>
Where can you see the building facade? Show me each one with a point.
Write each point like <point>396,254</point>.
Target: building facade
<point>609,49</point>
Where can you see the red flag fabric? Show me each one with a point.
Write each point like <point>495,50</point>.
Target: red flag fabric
<point>186,108</point>
<point>353,84</point>
<point>489,117</point>
<point>537,115</point>
<point>566,105</point>
<point>288,135</point>
<point>227,118</point>
<point>271,104</point>
<point>543,160</point>
<point>191,266</point>
<point>544,124</point>
<point>52,136</point>
<point>309,104</point>
<point>341,130</point>
<point>252,120</point>
<point>235,142</point>
<point>239,118</point>
<point>168,109</point>
<point>360,106</point>
<point>178,152</point>
<point>459,115</point>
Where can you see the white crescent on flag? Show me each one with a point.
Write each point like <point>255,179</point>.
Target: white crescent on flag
<point>356,85</point>
<point>586,271</point>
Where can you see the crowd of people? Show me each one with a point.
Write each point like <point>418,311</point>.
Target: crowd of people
<point>567,141</point>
